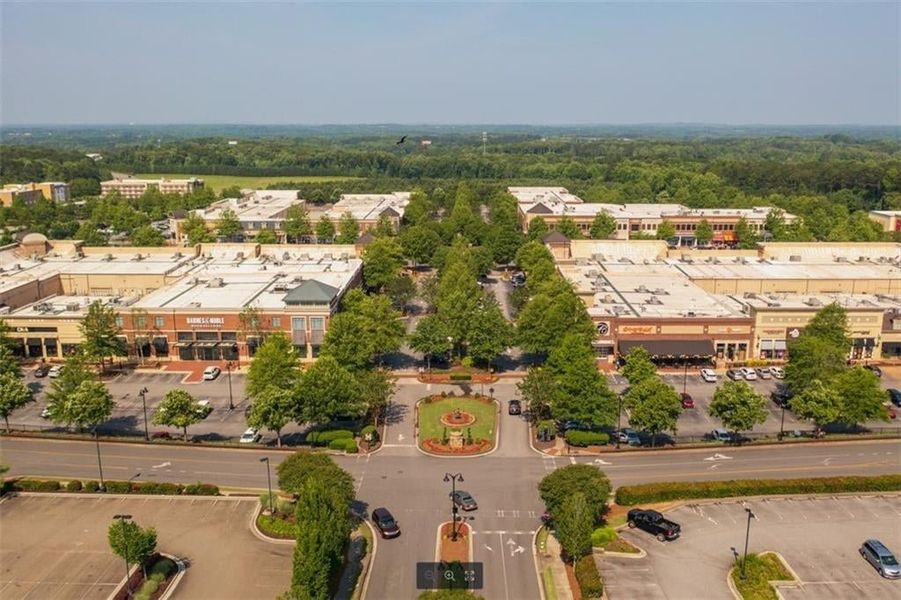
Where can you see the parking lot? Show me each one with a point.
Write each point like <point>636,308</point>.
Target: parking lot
<point>818,537</point>
<point>47,552</point>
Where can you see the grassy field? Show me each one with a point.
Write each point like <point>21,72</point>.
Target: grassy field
<point>430,417</point>
<point>217,182</point>
<point>761,569</point>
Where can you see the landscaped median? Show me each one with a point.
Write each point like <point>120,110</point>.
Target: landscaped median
<point>687,490</point>
<point>24,484</point>
<point>761,573</point>
<point>456,425</point>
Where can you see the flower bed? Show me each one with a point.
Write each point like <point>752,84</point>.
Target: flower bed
<point>477,447</point>
<point>478,437</point>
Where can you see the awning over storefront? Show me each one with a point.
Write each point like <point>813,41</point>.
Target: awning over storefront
<point>864,342</point>
<point>602,343</point>
<point>766,344</point>
<point>780,345</point>
<point>670,348</point>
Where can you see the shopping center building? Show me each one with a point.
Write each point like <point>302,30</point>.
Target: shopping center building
<point>208,302</point>
<point>727,306</point>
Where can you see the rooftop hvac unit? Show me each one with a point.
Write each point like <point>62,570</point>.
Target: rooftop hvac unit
<point>646,261</point>
<point>138,257</point>
<point>73,306</point>
<point>653,300</point>
<point>344,256</point>
<point>5,310</point>
<point>794,258</point>
<point>862,259</point>
<point>215,282</point>
<point>592,273</point>
<point>286,256</point>
<point>327,256</point>
<point>298,279</point>
<point>178,255</point>
<point>749,295</point>
<point>841,259</point>
<point>642,289</point>
<point>598,257</point>
<point>813,302</point>
<point>660,292</point>
<point>239,256</point>
<point>108,257</point>
<point>690,313</point>
<point>773,304</point>
<point>280,287</point>
<point>194,304</point>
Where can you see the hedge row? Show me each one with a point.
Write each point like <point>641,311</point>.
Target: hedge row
<point>588,577</point>
<point>460,377</point>
<point>327,436</point>
<point>113,487</point>
<point>346,444</point>
<point>574,437</point>
<point>677,490</point>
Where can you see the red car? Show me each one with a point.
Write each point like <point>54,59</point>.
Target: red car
<point>687,401</point>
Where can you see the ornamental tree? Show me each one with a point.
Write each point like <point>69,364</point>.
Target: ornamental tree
<point>738,405</point>
<point>271,409</point>
<point>14,394</point>
<point>565,482</point>
<point>179,409</point>
<point>131,542</point>
<point>654,406</point>
<point>89,404</point>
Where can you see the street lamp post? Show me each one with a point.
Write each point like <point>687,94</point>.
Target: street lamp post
<point>685,377</point>
<point>782,423</point>
<point>231,401</point>
<point>265,459</point>
<point>619,419</point>
<point>125,518</point>
<point>453,478</point>
<point>99,462</point>
<point>744,560</point>
<point>450,350</point>
<point>143,394</point>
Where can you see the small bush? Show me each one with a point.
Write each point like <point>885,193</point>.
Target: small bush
<point>460,377</point>
<point>350,446</point>
<point>602,536</point>
<point>588,577</point>
<point>201,489</point>
<point>163,568</point>
<point>90,486</point>
<point>148,589</point>
<point>370,433</point>
<point>548,426</point>
<point>575,437</point>
<point>285,507</point>
<point>666,491</point>
<point>325,438</point>
<point>277,527</point>
<point>118,487</point>
<point>73,486</point>
<point>336,444</point>
<point>36,485</point>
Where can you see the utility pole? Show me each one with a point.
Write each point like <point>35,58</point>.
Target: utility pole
<point>143,394</point>
<point>744,560</point>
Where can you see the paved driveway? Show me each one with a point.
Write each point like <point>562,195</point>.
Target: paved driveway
<point>819,538</point>
<point>46,552</point>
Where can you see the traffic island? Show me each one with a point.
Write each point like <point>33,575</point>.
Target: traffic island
<point>757,576</point>
<point>451,549</point>
<point>163,573</point>
<point>456,425</point>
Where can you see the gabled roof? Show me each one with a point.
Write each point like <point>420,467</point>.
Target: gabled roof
<point>540,209</point>
<point>390,212</point>
<point>311,292</point>
<point>366,238</point>
<point>555,236</point>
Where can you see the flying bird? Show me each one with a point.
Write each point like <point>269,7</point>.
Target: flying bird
<point>400,141</point>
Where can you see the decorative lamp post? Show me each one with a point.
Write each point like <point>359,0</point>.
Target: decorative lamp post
<point>453,478</point>
<point>228,370</point>
<point>125,518</point>
<point>143,394</point>
<point>744,560</point>
<point>265,459</point>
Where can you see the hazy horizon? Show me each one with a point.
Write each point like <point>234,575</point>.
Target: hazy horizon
<point>728,64</point>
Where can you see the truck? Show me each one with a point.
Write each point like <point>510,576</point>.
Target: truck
<point>654,523</point>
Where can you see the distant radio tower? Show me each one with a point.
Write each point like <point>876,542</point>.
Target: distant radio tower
<point>484,141</point>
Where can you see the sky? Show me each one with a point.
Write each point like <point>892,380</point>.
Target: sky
<point>441,63</point>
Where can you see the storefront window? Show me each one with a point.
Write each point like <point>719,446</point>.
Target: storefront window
<point>50,346</point>
<point>158,322</point>
<point>207,336</point>
<point>186,353</point>
<point>229,336</point>
<point>185,336</point>
<point>161,346</point>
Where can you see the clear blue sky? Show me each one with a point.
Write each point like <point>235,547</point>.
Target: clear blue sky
<point>725,62</point>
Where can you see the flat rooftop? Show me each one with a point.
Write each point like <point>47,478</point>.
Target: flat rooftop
<point>876,302</point>
<point>255,205</point>
<point>67,307</point>
<point>369,207</point>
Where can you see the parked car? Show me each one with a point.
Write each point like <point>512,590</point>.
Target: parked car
<point>45,414</point>
<point>721,435</point>
<point>890,411</point>
<point>734,374</point>
<point>894,395</point>
<point>205,408</point>
<point>250,436</point>
<point>211,373</point>
<point>42,370</point>
<point>385,523</point>
<point>748,373</point>
<point>571,424</point>
<point>464,500</point>
<point>161,435</point>
<point>518,279</point>
<point>629,436</point>
<point>781,396</point>
<point>876,370</point>
<point>764,373</point>
<point>687,400</point>
<point>777,372</point>
<point>881,558</point>
<point>55,371</point>
<point>654,523</point>
<point>708,375</point>
<point>514,407</point>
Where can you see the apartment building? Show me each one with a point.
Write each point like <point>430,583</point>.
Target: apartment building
<point>133,188</point>
<point>633,220</point>
<point>29,193</point>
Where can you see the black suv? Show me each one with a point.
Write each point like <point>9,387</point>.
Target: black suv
<point>385,523</point>
<point>42,370</point>
<point>514,407</point>
<point>653,522</point>
<point>894,395</point>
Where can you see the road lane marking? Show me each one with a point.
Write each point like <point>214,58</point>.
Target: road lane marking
<point>504,568</point>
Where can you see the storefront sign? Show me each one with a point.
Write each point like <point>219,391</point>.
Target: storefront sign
<point>603,328</point>
<point>772,331</point>
<point>642,329</point>
<point>793,333</point>
<point>206,321</point>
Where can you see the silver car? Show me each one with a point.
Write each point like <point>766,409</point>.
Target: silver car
<point>881,558</point>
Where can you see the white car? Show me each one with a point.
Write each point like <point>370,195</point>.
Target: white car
<point>55,371</point>
<point>45,414</point>
<point>748,373</point>
<point>764,373</point>
<point>211,373</point>
<point>251,436</point>
<point>777,372</point>
<point>708,375</point>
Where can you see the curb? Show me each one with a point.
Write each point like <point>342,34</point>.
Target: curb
<point>775,584</point>
<point>438,540</point>
<point>259,534</point>
<point>632,555</point>
<point>497,436</point>
<point>541,592</point>
<point>369,569</point>
<point>182,567</point>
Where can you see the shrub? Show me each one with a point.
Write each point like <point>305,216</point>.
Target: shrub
<point>564,482</point>
<point>73,486</point>
<point>148,589</point>
<point>460,377</point>
<point>548,426</point>
<point>201,489</point>
<point>90,486</point>
<point>285,507</point>
<point>36,485</point>
<point>350,446</point>
<point>118,487</point>
<point>602,536</point>
<point>338,444</point>
<point>326,437</point>
<point>163,568</point>
<point>154,487</point>
<point>277,527</point>
<point>575,437</point>
<point>588,577</point>
<point>665,491</point>
<point>370,433</point>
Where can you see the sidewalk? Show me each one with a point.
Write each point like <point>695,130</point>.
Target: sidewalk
<point>551,559</point>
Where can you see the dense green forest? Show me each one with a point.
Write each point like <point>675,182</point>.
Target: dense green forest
<point>829,180</point>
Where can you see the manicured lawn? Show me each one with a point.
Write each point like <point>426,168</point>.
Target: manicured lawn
<point>430,417</point>
<point>217,182</point>
<point>760,570</point>
<point>550,589</point>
